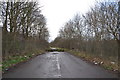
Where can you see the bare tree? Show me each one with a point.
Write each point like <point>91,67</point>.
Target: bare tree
<point>25,27</point>
<point>93,32</point>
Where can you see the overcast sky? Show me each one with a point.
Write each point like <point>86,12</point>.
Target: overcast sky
<point>57,12</point>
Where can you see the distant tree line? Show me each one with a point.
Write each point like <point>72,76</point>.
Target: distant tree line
<point>95,33</point>
<point>24,27</point>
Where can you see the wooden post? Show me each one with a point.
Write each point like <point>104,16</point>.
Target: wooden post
<point>118,26</point>
<point>0,50</point>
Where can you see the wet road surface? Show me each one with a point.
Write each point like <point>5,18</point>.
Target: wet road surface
<point>58,65</point>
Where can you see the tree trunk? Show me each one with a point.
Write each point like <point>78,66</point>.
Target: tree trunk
<point>5,23</point>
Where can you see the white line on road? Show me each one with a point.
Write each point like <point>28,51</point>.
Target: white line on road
<point>58,65</point>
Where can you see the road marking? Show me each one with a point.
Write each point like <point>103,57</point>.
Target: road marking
<point>58,65</point>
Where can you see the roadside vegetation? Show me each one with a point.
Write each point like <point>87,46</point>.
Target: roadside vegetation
<point>51,49</point>
<point>12,61</point>
<point>24,32</point>
<point>94,35</point>
<point>103,62</point>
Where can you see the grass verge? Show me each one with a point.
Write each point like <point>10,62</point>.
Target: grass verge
<point>105,63</point>
<point>16,59</point>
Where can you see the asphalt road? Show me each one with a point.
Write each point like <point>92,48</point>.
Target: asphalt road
<point>58,65</point>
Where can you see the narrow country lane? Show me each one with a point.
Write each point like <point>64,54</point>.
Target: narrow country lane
<point>57,65</point>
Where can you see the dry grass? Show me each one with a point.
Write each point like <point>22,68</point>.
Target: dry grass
<point>106,63</point>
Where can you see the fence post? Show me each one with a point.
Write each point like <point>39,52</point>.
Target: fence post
<point>0,49</point>
<point>118,26</point>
